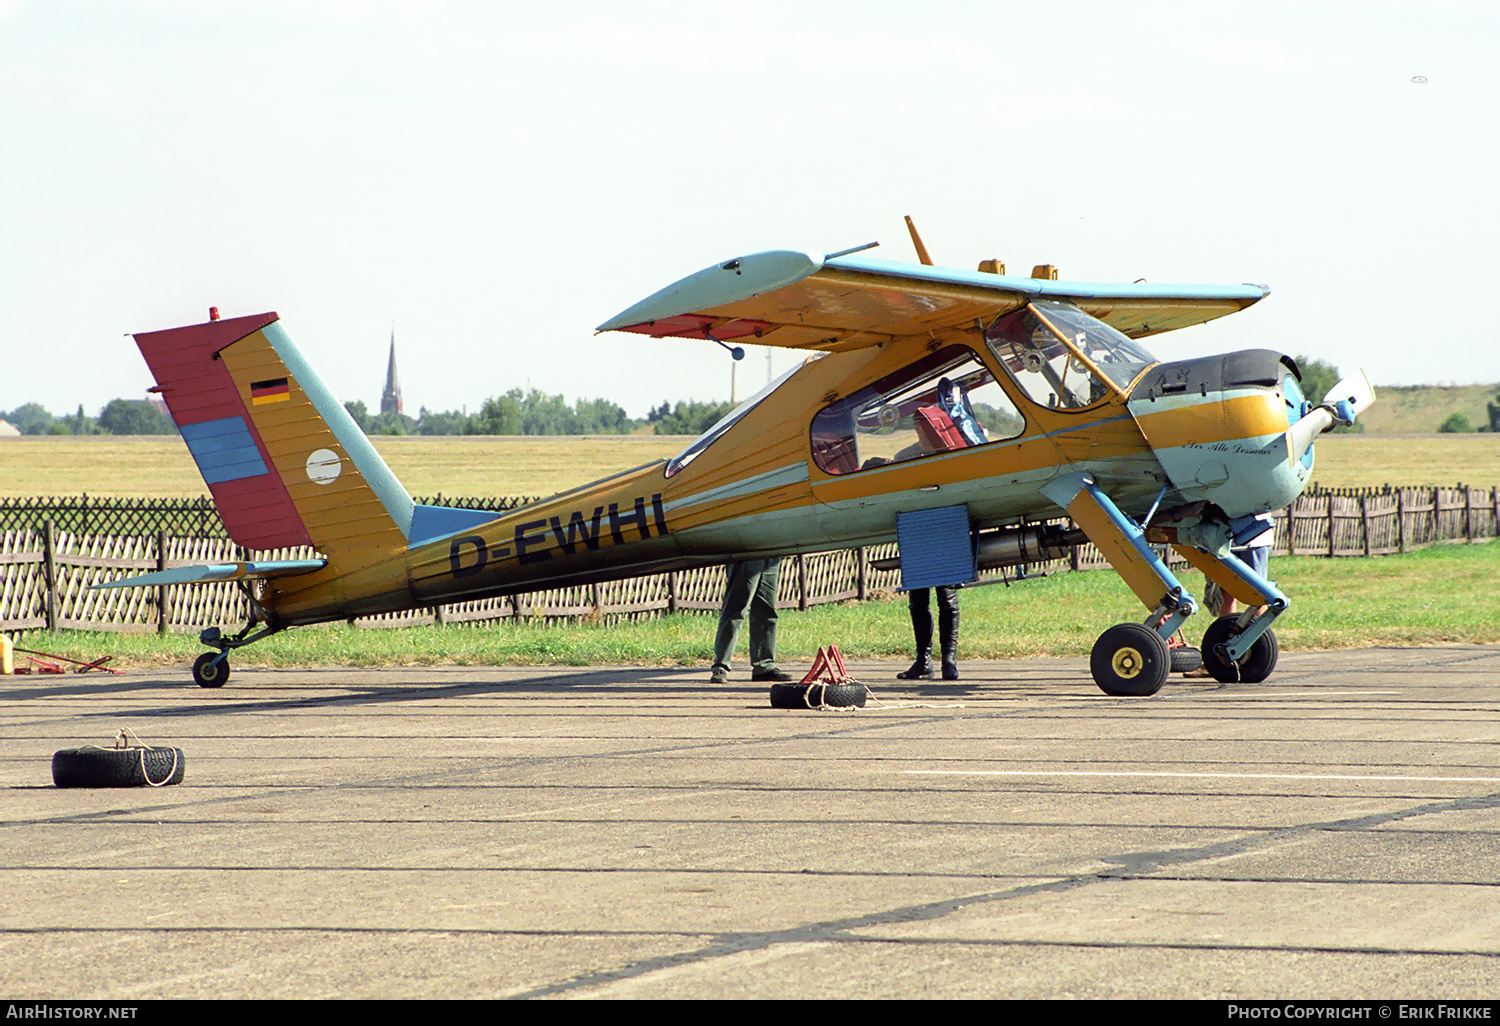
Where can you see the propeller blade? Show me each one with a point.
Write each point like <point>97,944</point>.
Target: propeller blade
<point>1343,403</point>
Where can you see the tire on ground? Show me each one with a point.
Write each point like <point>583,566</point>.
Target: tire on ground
<point>1184,659</point>
<point>118,767</point>
<point>817,696</point>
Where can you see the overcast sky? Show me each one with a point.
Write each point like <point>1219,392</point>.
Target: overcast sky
<point>494,179</point>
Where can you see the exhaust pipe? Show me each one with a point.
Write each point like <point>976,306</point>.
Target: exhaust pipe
<point>1012,546</point>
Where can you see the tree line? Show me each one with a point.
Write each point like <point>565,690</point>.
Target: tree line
<point>538,413</point>
<point>118,417</point>
<point>514,413</point>
<point>535,412</point>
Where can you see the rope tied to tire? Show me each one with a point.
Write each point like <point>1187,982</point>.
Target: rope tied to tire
<point>122,742</point>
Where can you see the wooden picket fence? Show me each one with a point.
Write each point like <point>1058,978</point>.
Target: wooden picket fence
<point>196,517</point>
<point>1376,522</point>
<point>46,574</point>
<point>46,579</point>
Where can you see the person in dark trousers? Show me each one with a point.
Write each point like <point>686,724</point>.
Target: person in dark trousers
<point>751,590</point>
<point>921,626</point>
<point>1257,556</point>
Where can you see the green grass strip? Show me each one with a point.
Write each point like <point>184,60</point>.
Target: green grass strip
<point>1442,595</point>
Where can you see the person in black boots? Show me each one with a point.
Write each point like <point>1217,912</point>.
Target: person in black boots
<point>921,626</point>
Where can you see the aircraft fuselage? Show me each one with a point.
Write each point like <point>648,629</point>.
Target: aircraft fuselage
<point>1180,433</point>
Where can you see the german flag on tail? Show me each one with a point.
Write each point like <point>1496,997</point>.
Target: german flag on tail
<point>275,390</point>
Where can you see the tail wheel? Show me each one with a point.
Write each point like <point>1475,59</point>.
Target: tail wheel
<point>1130,659</point>
<point>1255,666</point>
<point>211,670</point>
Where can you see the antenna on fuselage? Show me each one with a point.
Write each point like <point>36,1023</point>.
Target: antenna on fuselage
<point>916,240</point>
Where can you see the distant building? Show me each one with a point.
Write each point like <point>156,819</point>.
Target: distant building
<point>8,430</point>
<point>390,399</point>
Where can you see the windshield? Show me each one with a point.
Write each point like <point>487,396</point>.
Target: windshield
<point>1040,345</point>
<point>728,421</point>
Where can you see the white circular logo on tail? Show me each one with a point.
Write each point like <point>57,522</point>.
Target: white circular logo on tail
<point>323,467</point>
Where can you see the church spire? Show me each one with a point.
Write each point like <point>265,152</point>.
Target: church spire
<point>390,400</point>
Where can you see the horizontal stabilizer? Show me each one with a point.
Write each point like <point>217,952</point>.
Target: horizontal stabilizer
<point>429,523</point>
<point>211,572</point>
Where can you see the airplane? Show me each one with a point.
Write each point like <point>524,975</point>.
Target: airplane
<point>957,413</point>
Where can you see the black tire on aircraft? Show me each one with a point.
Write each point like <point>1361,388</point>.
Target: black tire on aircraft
<point>209,674</point>
<point>1184,659</point>
<point>118,767</point>
<point>817,696</point>
<point>1254,667</point>
<point>1130,659</point>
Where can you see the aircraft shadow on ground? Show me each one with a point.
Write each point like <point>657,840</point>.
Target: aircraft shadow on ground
<point>644,684</point>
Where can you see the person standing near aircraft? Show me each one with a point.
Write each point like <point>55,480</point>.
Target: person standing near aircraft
<point>921,626</point>
<point>1257,556</point>
<point>751,591</point>
<point>953,401</point>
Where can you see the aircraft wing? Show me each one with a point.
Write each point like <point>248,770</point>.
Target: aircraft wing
<point>803,300</point>
<point>210,572</point>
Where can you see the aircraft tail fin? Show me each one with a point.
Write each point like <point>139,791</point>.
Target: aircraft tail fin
<point>285,462</point>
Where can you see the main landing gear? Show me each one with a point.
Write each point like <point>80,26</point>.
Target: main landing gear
<point>1252,667</point>
<point>1130,659</point>
<point>1133,659</point>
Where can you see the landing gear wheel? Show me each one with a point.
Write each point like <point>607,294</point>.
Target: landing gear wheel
<point>208,673</point>
<point>1130,659</point>
<point>1254,667</point>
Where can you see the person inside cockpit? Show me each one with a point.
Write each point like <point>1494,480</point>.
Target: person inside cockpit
<point>954,401</point>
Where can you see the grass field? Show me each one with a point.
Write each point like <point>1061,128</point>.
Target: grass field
<point>491,465</point>
<point>468,465</point>
<point>1359,461</point>
<point>1443,594</point>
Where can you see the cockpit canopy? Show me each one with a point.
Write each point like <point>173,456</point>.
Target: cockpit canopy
<point>1062,357</point>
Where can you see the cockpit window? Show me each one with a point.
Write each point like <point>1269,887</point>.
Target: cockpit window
<point>724,423</point>
<point>947,400</point>
<point>1041,344</point>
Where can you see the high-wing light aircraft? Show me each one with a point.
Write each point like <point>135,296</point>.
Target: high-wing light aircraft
<point>946,410</point>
